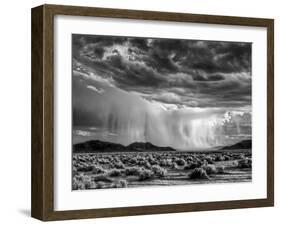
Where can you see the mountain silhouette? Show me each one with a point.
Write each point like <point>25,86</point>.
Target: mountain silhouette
<point>244,144</point>
<point>94,146</point>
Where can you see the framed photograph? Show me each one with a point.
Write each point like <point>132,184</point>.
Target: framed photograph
<point>141,112</point>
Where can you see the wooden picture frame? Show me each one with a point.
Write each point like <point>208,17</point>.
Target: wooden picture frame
<point>42,203</point>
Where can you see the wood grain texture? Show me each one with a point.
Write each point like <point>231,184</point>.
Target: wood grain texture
<point>43,107</point>
<point>37,158</point>
<point>270,111</point>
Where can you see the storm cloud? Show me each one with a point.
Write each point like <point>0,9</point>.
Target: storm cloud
<point>171,77</point>
<point>214,72</point>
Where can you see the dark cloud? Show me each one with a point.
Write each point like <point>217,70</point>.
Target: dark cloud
<point>205,78</point>
<point>140,43</point>
<point>218,57</point>
<point>82,40</point>
<point>197,73</point>
<point>160,62</point>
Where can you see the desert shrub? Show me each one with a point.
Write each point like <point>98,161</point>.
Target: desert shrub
<point>103,161</point>
<point>165,163</point>
<point>241,156</point>
<point>180,162</point>
<point>199,163</point>
<point>210,169</point>
<point>189,158</point>
<point>102,178</point>
<point>84,168</point>
<point>193,165</point>
<point>74,157</point>
<point>219,158</point>
<point>87,182</point>
<point>97,169</point>
<point>188,166</point>
<point>124,159</point>
<point>133,161</point>
<point>132,171</point>
<point>209,160</point>
<point>175,166</point>
<point>152,161</point>
<point>76,164</point>
<point>82,159</point>
<point>198,173</point>
<point>158,171</point>
<point>77,184</point>
<point>116,159</point>
<point>140,158</point>
<point>145,174</point>
<point>100,185</point>
<point>81,182</point>
<point>226,157</point>
<point>143,162</point>
<point>119,184</point>
<point>236,156</point>
<point>147,165</point>
<point>220,169</point>
<point>201,158</point>
<point>115,173</point>
<point>119,165</point>
<point>123,183</point>
<point>244,163</point>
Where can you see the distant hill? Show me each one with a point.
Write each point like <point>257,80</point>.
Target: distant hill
<point>140,146</point>
<point>94,146</point>
<point>244,144</point>
<point>97,146</point>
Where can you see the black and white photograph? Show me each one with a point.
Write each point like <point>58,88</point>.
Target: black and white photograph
<point>159,112</point>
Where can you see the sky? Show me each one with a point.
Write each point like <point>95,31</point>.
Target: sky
<point>187,94</point>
